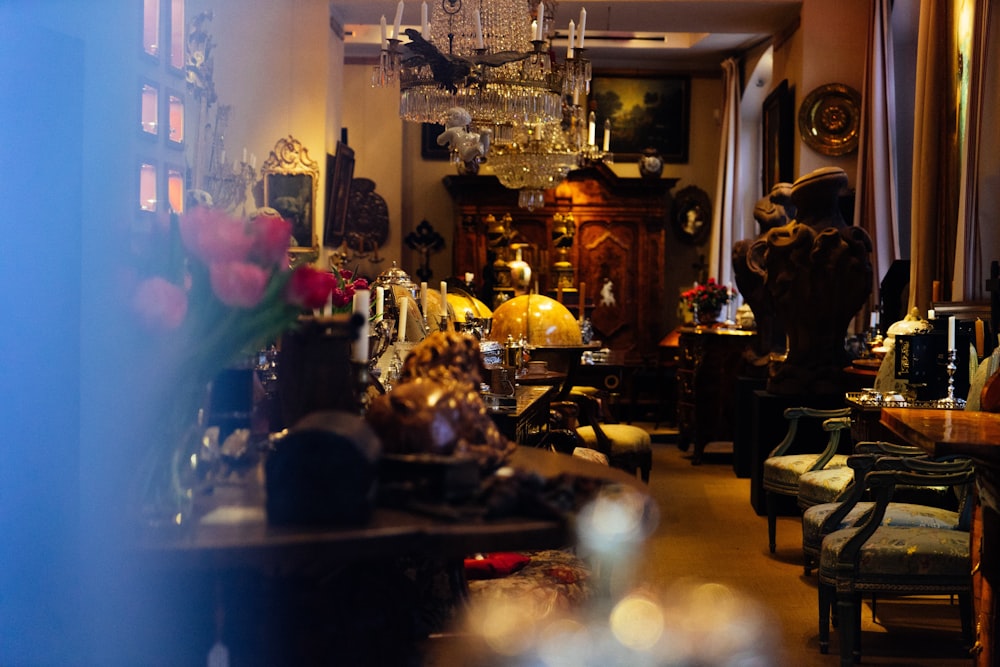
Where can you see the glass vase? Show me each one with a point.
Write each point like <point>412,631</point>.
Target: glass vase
<point>172,467</point>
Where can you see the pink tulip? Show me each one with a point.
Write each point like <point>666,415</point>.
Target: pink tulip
<point>309,287</point>
<point>271,234</point>
<point>239,284</point>
<point>213,235</point>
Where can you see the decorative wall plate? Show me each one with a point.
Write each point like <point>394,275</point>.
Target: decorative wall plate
<point>829,119</point>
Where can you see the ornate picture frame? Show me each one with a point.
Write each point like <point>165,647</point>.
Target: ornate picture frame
<point>429,148</point>
<point>778,116</point>
<point>646,111</point>
<point>291,184</point>
<point>692,215</point>
<point>339,174</point>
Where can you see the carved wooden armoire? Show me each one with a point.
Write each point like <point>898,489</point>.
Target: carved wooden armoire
<point>617,250</point>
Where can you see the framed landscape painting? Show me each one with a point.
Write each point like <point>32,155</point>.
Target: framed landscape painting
<point>647,111</point>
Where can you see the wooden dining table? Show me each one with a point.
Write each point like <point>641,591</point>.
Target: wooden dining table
<point>976,435</point>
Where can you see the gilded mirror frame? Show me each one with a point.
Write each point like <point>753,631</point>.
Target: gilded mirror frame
<point>291,186</point>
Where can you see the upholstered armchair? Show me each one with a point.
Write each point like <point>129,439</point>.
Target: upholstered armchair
<point>878,557</point>
<point>783,468</point>
<point>627,447</point>
<point>922,506</point>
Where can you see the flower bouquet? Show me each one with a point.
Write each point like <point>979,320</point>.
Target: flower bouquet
<point>219,290</point>
<point>706,300</point>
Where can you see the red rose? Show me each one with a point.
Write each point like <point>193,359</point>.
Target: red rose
<point>360,283</point>
<point>309,288</point>
<point>213,236</point>
<point>238,284</point>
<point>341,297</point>
<point>160,304</point>
<point>271,234</point>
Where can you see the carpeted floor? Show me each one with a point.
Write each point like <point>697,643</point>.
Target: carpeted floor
<point>709,531</point>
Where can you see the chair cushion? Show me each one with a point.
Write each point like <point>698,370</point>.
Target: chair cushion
<point>590,455</point>
<point>781,473</point>
<point>896,514</point>
<point>624,438</point>
<point>823,486</point>
<point>585,390</point>
<point>894,552</point>
<point>552,581</point>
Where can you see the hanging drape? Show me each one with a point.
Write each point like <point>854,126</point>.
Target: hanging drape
<point>970,260</point>
<point>932,223</point>
<point>727,219</point>
<point>876,208</point>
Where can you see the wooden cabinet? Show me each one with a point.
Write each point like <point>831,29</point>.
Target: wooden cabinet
<point>709,362</point>
<point>618,249</point>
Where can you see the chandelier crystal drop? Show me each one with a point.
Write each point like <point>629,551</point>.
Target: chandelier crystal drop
<point>533,159</point>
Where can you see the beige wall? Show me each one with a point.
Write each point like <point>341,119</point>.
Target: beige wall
<point>829,47</point>
<point>274,91</point>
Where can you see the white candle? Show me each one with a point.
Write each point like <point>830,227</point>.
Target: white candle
<point>403,308</point>
<point>468,277</point>
<point>592,129</point>
<point>444,298</point>
<point>873,321</point>
<point>362,302</point>
<point>607,135</point>
<point>423,298</point>
<point>398,21</point>
<point>581,27</point>
<point>540,23</point>
<point>379,303</point>
<point>385,37</point>
<point>951,333</point>
<point>244,155</point>
<point>425,26</point>
<point>930,314</point>
<point>480,44</point>
<point>572,38</point>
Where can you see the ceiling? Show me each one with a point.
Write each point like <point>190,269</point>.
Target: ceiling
<point>621,34</point>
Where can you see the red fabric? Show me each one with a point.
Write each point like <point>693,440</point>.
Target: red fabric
<point>491,566</point>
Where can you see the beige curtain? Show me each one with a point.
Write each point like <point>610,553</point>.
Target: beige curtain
<point>933,215</point>
<point>727,218</point>
<point>876,208</point>
<point>971,261</point>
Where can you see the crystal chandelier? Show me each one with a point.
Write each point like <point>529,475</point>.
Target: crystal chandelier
<point>489,57</point>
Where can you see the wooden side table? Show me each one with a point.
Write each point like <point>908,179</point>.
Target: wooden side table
<point>709,362</point>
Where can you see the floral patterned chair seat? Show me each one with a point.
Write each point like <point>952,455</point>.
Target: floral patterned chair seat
<point>782,470</point>
<point>879,558</point>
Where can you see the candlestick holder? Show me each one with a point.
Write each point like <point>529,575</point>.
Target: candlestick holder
<point>361,378</point>
<point>950,401</point>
